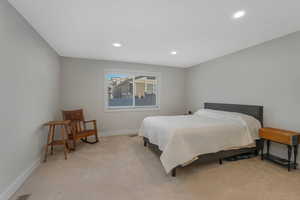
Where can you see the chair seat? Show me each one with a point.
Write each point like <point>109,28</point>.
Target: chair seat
<point>83,134</point>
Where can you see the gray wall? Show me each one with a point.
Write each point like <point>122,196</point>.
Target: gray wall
<point>83,87</point>
<point>267,74</point>
<point>29,87</point>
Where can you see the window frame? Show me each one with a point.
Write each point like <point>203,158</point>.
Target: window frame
<point>132,74</point>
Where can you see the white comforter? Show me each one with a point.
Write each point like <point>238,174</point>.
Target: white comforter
<point>182,138</point>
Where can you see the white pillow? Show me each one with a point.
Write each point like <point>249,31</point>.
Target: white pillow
<point>250,122</point>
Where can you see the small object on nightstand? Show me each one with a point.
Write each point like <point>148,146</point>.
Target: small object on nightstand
<point>289,138</point>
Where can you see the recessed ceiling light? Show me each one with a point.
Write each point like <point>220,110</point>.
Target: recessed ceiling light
<point>173,52</point>
<point>117,44</point>
<point>239,14</point>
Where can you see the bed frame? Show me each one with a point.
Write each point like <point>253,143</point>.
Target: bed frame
<point>252,110</point>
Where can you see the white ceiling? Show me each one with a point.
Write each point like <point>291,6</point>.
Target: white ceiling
<point>149,29</point>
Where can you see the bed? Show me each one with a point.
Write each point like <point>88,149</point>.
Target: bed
<point>218,130</point>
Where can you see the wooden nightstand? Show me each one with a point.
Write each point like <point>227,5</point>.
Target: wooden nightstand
<point>288,138</point>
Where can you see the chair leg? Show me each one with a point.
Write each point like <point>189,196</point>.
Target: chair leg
<point>48,141</point>
<point>74,144</point>
<point>65,150</point>
<point>63,132</point>
<point>46,152</point>
<point>86,140</point>
<point>68,147</point>
<point>52,138</point>
<point>97,138</point>
<point>51,150</point>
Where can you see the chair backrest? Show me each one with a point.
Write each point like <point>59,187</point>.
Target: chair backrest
<point>76,117</point>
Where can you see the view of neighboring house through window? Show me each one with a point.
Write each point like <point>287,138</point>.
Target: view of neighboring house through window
<point>132,90</point>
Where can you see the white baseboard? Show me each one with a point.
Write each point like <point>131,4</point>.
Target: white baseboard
<point>13,187</point>
<point>118,132</point>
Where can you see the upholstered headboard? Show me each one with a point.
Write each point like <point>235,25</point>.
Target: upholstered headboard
<point>252,110</point>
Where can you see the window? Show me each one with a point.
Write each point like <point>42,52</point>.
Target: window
<point>131,90</point>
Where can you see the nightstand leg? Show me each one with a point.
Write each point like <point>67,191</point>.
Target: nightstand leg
<point>289,157</point>
<point>262,144</point>
<point>295,156</point>
<point>268,147</point>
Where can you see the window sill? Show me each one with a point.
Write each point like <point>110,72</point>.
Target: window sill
<point>137,109</point>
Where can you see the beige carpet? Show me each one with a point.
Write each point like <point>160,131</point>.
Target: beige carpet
<point>120,168</point>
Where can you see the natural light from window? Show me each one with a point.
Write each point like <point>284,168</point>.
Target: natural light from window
<point>131,90</point>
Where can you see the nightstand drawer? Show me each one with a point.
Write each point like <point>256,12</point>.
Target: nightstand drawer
<point>280,136</point>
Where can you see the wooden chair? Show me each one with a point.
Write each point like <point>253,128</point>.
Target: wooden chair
<point>78,127</point>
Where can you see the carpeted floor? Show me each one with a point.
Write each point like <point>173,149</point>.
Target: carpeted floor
<point>120,168</point>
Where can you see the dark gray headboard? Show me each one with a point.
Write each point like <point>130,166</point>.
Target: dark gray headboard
<point>252,110</point>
